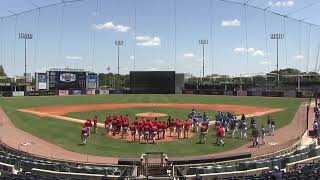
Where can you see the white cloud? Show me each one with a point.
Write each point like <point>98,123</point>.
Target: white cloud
<point>252,51</point>
<point>111,26</point>
<point>230,23</point>
<point>74,57</point>
<point>280,4</point>
<point>121,28</point>
<point>299,56</point>
<point>239,50</point>
<point>258,53</point>
<point>188,55</point>
<point>148,41</point>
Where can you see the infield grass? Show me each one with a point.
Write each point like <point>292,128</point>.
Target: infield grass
<point>66,134</point>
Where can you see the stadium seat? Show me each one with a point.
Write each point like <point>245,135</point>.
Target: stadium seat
<point>314,152</point>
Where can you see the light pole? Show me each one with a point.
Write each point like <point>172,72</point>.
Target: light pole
<point>203,42</point>
<point>118,43</point>
<point>25,36</point>
<point>277,36</point>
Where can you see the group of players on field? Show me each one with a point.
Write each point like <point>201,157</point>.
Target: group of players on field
<point>146,129</point>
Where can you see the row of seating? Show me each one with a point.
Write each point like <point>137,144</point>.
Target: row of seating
<point>280,161</point>
<point>310,172</point>
<point>25,164</point>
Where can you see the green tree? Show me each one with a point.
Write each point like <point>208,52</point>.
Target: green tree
<point>2,73</point>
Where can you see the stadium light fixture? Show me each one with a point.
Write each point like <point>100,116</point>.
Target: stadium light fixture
<point>25,36</point>
<point>203,42</point>
<point>277,36</point>
<point>118,43</point>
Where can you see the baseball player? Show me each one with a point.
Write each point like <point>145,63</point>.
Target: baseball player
<point>255,135</point>
<point>272,127</point>
<point>84,134</point>
<point>133,131</point>
<point>178,128</point>
<point>163,127</point>
<point>269,123</point>
<point>107,124</point>
<point>153,130</point>
<point>140,130</point>
<point>125,126</point>
<point>220,134</point>
<point>146,134</point>
<point>171,126</point>
<point>186,129</point>
<point>234,124</point>
<point>203,133</point>
<point>263,135</point>
<point>243,130</point>
<point>95,121</point>
<point>88,125</point>
<point>114,126</point>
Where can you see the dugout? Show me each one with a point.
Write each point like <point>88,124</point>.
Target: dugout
<point>153,82</point>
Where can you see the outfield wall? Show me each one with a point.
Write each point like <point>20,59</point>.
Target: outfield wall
<point>293,94</point>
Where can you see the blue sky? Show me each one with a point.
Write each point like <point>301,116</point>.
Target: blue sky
<point>82,35</point>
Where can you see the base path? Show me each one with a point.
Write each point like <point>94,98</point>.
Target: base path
<point>24,141</point>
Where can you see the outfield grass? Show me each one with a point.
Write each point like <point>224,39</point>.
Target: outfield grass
<point>66,134</point>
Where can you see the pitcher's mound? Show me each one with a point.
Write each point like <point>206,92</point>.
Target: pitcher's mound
<point>151,114</point>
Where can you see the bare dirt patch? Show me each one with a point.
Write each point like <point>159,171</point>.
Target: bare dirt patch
<point>151,115</point>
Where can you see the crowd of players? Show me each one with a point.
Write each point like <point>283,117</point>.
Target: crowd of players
<point>145,130</point>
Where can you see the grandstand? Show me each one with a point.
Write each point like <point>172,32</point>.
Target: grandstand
<point>123,58</point>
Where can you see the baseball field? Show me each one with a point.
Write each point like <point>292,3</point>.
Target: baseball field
<point>66,134</point>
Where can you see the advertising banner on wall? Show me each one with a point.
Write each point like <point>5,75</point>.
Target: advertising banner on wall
<point>92,80</point>
<point>76,92</point>
<point>91,92</point>
<point>42,81</point>
<point>17,93</point>
<point>63,92</point>
<point>105,91</point>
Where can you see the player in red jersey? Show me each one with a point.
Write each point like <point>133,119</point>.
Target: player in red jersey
<point>95,122</point>
<point>107,124</point>
<point>164,127</point>
<point>84,134</point>
<point>88,126</point>
<point>140,130</point>
<point>203,133</point>
<point>133,131</point>
<point>220,135</point>
<point>125,126</point>
<point>172,124</point>
<point>153,130</point>
<point>146,134</point>
<point>178,128</point>
<point>186,129</point>
<point>114,126</point>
